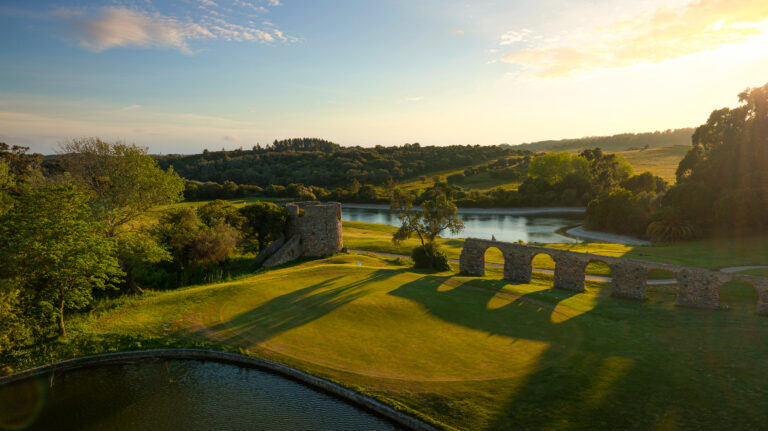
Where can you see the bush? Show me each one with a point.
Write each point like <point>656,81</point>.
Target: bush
<point>435,259</point>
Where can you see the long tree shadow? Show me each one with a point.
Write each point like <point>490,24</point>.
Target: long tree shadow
<point>630,365</point>
<point>296,308</point>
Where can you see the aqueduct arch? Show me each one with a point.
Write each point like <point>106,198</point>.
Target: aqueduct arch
<point>697,287</point>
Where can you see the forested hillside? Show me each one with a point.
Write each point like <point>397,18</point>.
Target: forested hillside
<point>621,142</point>
<point>326,164</point>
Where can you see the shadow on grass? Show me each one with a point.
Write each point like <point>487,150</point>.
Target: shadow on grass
<point>619,364</point>
<point>296,308</point>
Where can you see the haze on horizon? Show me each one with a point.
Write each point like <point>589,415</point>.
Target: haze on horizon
<point>181,76</point>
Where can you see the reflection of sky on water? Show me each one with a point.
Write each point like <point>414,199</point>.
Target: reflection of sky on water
<point>528,228</point>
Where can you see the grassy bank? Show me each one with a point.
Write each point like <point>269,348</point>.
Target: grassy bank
<point>469,353</point>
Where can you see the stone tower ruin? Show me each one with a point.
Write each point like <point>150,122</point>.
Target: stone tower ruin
<point>314,229</point>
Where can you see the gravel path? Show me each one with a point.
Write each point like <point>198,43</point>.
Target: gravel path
<point>591,235</point>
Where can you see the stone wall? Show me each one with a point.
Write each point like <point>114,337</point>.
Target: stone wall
<point>698,288</point>
<point>314,229</point>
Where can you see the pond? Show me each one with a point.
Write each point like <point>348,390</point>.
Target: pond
<point>511,225</point>
<point>175,395</point>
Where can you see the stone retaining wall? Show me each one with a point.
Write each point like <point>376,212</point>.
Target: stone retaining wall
<point>698,288</point>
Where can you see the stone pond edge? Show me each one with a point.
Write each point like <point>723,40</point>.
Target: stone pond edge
<point>363,401</point>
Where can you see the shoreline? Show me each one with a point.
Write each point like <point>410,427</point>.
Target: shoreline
<point>486,211</point>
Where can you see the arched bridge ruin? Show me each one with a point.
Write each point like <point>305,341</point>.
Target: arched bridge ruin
<point>697,287</point>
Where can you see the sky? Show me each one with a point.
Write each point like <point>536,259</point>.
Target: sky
<point>180,76</point>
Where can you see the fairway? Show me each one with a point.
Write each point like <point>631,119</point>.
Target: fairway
<point>481,353</point>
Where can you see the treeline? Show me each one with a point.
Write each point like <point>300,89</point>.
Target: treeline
<point>722,182</point>
<point>620,142</point>
<point>86,227</point>
<point>325,164</point>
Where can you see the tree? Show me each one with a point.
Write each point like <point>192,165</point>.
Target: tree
<point>125,180</point>
<point>436,215</point>
<point>219,211</point>
<point>264,223</point>
<point>606,170</point>
<point>722,180</point>
<point>191,241</point>
<point>50,248</point>
<point>126,183</point>
<point>553,167</point>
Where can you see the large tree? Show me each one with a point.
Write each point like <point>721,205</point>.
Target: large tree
<point>126,181</point>
<point>126,184</point>
<point>436,214</point>
<point>51,250</point>
<point>723,180</point>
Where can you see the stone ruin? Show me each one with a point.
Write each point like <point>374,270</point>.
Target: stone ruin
<point>697,287</point>
<point>314,229</point>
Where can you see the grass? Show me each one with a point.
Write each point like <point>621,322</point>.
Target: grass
<point>661,161</point>
<point>710,253</point>
<point>471,353</point>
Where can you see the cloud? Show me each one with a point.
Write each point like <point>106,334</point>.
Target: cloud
<point>664,34</point>
<point>492,51</point>
<point>131,108</point>
<point>457,32</point>
<point>511,37</point>
<point>121,27</point>
<point>114,27</point>
<point>414,99</point>
<point>233,138</point>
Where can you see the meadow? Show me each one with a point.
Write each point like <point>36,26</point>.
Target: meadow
<point>467,352</point>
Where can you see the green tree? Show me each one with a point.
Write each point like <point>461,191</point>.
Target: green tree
<point>606,170</point>
<point>264,223</point>
<point>435,215</point>
<point>191,242</point>
<point>219,211</point>
<point>125,180</point>
<point>53,251</point>
<point>126,184</point>
<point>554,167</point>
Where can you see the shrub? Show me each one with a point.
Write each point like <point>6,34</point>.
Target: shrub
<point>429,257</point>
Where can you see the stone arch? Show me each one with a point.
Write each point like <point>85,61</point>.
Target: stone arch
<point>651,280</point>
<point>736,287</point>
<point>597,265</point>
<point>493,249</point>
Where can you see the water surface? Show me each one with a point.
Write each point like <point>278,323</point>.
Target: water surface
<point>175,395</point>
<point>541,228</point>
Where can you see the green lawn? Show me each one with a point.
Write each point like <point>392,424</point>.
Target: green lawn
<point>472,353</point>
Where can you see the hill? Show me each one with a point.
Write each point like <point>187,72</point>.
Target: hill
<point>614,143</point>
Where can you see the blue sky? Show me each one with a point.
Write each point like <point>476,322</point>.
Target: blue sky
<point>180,76</point>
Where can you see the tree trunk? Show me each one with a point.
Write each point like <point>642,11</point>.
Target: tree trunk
<point>131,282</point>
<point>62,330</point>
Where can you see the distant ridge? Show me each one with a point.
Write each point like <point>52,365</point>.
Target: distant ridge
<point>620,142</point>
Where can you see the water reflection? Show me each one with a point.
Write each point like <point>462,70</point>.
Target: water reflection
<point>529,228</point>
<point>171,395</point>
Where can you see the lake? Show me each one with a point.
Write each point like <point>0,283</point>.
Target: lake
<point>528,225</point>
<point>175,395</point>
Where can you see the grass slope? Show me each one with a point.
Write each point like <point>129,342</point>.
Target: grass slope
<point>478,353</point>
<point>661,161</point>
